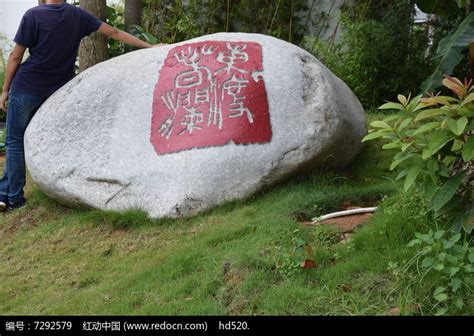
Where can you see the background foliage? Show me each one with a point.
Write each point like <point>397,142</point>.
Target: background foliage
<point>172,21</point>
<point>377,48</point>
<point>382,50</point>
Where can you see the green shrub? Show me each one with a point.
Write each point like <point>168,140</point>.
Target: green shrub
<point>434,141</point>
<point>453,262</point>
<point>114,17</point>
<point>174,21</point>
<point>381,51</point>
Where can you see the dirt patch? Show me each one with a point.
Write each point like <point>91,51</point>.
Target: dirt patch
<point>344,224</point>
<point>347,223</point>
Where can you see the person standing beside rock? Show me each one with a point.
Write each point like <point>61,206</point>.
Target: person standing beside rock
<point>52,32</point>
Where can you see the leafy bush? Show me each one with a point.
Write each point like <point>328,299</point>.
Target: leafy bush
<point>379,48</point>
<point>434,143</point>
<point>453,260</point>
<point>114,17</point>
<point>174,21</point>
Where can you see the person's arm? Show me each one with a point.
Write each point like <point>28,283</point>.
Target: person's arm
<point>14,61</point>
<point>122,36</point>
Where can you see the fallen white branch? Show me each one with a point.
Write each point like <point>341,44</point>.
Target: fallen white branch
<point>343,213</point>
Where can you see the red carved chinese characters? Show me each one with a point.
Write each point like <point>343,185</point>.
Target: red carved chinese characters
<point>208,94</point>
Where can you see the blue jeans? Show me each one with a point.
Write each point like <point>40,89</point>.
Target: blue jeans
<point>21,108</point>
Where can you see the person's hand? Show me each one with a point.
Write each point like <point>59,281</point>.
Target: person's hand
<point>3,101</point>
<point>159,45</point>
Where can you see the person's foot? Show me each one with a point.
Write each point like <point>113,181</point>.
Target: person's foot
<point>3,203</point>
<point>16,205</point>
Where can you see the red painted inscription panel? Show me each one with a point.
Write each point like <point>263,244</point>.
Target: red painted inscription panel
<point>208,94</point>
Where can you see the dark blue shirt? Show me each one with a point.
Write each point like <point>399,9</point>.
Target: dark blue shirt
<point>52,34</point>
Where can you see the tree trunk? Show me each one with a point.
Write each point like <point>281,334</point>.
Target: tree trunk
<point>133,13</point>
<point>93,48</point>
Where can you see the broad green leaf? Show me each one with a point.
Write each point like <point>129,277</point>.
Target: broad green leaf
<point>459,303</point>
<point>430,186</point>
<point>411,177</point>
<point>447,191</point>
<point>455,238</point>
<point>469,98</point>
<point>452,125</point>
<point>441,311</point>
<point>442,256</point>
<point>443,169</point>
<point>398,161</point>
<point>439,234</point>
<point>391,145</point>
<point>439,266</point>
<point>405,146</point>
<point>401,155</point>
<point>380,124</point>
<point>468,149</point>
<point>457,145</point>
<point>449,52</point>
<point>455,283</point>
<point>439,290</point>
<point>457,126</point>
<point>430,113</point>
<point>451,271</point>
<point>447,244</point>
<point>432,165</point>
<point>452,205</point>
<point>402,174</point>
<point>437,141</point>
<point>427,262</point>
<point>441,297</point>
<point>444,123</point>
<point>414,242</point>
<point>471,257</point>
<point>415,104</point>
<point>426,127</point>
<point>404,124</point>
<point>392,106</point>
<point>421,236</point>
<point>468,226</point>
<point>374,135</point>
<point>468,112</point>
<point>449,160</point>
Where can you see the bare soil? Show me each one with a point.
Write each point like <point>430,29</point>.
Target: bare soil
<point>348,223</point>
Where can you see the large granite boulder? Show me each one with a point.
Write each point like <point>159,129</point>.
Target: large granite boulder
<point>179,129</point>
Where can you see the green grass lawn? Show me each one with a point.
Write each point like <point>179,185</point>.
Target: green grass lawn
<point>237,259</point>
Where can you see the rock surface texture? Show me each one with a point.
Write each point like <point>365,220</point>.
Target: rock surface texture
<point>182,128</point>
